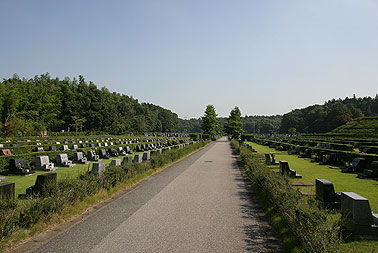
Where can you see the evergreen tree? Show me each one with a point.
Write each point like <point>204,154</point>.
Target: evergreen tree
<point>210,124</point>
<point>234,124</point>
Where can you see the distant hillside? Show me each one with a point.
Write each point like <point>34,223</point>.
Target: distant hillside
<point>325,118</point>
<point>28,106</point>
<point>360,128</point>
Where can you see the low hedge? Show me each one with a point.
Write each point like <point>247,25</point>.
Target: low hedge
<point>372,149</point>
<point>206,136</point>
<point>19,214</point>
<point>248,137</point>
<point>315,228</point>
<point>341,155</point>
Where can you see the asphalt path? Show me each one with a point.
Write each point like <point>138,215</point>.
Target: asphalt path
<point>203,203</point>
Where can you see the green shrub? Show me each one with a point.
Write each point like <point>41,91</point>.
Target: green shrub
<point>248,137</point>
<point>315,228</point>
<point>206,136</point>
<point>195,137</point>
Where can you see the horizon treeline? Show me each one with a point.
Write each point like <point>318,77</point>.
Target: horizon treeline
<point>326,117</point>
<point>28,106</point>
<point>251,124</point>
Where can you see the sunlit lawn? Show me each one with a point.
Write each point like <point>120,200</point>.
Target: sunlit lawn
<point>343,182</point>
<point>23,182</point>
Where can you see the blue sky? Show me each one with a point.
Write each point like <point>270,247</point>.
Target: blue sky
<point>267,57</point>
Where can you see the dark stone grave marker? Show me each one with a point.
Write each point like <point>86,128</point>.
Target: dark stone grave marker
<point>358,215</point>
<point>325,192</point>
<point>7,191</point>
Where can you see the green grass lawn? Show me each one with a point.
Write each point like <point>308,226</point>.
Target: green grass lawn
<point>23,182</point>
<point>343,182</point>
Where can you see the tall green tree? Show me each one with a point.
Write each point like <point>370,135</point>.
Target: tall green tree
<point>210,124</point>
<point>44,103</point>
<point>234,124</point>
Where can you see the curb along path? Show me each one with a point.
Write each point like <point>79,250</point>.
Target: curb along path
<point>203,203</point>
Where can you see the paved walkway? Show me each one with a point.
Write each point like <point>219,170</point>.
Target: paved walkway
<point>201,204</point>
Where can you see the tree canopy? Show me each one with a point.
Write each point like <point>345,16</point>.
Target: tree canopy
<point>234,124</point>
<point>28,106</point>
<point>210,124</point>
<point>324,118</point>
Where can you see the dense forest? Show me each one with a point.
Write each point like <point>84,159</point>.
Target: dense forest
<point>324,118</point>
<point>43,103</point>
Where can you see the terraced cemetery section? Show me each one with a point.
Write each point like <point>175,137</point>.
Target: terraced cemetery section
<point>366,127</point>
<point>332,160</point>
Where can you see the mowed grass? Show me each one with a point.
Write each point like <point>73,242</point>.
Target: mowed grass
<point>23,182</point>
<point>343,182</point>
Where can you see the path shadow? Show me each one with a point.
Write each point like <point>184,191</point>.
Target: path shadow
<point>260,235</point>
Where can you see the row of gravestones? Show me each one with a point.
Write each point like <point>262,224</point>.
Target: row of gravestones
<point>360,220</point>
<point>358,165</point>
<point>19,166</point>
<point>97,143</point>
<point>130,140</point>
<point>355,209</point>
<point>7,190</point>
<point>283,165</point>
<point>244,144</point>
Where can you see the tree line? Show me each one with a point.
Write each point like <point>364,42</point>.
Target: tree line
<point>28,106</point>
<point>312,119</point>
<point>250,124</point>
<point>324,118</point>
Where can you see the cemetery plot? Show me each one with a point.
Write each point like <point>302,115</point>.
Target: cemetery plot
<point>330,189</point>
<point>343,182</point>
<point>62,160</point>
<point>43,163</point>
<point>74,148</point>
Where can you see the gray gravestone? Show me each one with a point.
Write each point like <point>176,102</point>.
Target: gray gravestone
<point>62,160</point>
<point>325,192</point>
<point>137,158</point>
<point>44,182</point>
<point>92,156</point>
<point>115,162</point>
<point>7,191</point>
<point>43,162</point>
<point>267,159</point>
<point>103,154</point>
<point>146,156</point>
<point>127,159</point>
<point>98,168</point>
<point>80,158</point>
<point>359,218</point>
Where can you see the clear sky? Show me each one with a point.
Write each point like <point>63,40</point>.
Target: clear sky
<point>265,56</point>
